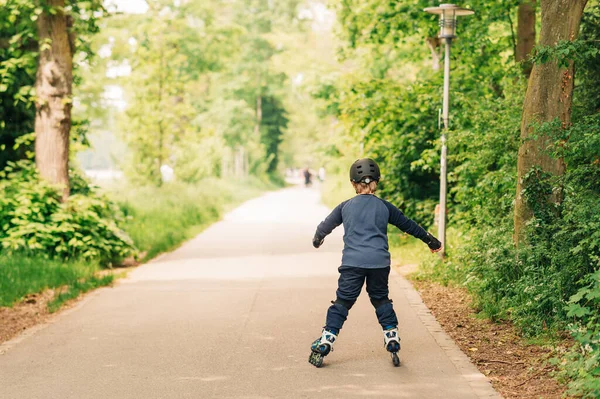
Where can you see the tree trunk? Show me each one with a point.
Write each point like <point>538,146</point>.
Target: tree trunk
<point>549,96</point>
<point>258,115</point>
<point>53,85</point>
<point>525,34</point>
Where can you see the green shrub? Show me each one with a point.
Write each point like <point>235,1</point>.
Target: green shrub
<point>581,364</point>
<point>34,220</point>
<point>395,122</point>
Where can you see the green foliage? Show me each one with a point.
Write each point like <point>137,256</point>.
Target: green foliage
<point>272,125</point>
<point>483,156</point>
<point>202,88</point>
<point>23,274</point>
<point>566,51</point>
<point>395,125</point>
<point>391,105</point>
<point>33,220</point>
<point>581,364</point>
<point>19,50</point>
<point>550,283</point>
<point>388,106</point>
<point>531,286</point>
<point>17,77</point>
<point>158,119</point>
<point>252,78</point>
<point>588,78</point>
<point>72,239</point>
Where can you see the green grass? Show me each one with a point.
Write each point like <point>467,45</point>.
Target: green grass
<point>446,272</point>
<point>160,219</point>
<point>21,275</point>
<point>77,288</point>
<point>407,250</point>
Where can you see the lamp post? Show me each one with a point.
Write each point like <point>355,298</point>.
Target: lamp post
<point>448,14</point>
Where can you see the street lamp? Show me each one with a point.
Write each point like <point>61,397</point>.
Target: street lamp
<point>448,14</point>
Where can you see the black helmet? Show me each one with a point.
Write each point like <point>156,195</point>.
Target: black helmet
<point>364,168</point>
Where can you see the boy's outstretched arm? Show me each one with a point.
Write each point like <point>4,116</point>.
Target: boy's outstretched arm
<point>326,226</point>
<point>411,227</point>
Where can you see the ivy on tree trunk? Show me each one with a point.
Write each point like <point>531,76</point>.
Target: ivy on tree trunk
<point>549,96</point>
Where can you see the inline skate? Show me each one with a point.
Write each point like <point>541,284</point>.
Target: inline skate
<point>321,348</point>
<point>391,341</point>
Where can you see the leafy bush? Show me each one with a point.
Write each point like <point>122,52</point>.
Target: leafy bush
<point>34,220</point>
<point>396,125</point>
<point>581,364</point>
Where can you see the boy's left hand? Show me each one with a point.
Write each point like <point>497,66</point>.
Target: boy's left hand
<point>433,243</point>
<point>317,242</point>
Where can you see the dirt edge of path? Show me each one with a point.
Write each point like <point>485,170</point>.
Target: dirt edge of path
<point>33,310</point>
<point>517,369</point>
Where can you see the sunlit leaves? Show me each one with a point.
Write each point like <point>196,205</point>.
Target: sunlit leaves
<point>19,49</point>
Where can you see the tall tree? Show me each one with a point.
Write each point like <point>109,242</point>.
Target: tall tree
<point>54,85</point>
<point>549,96</point>
<point>37,44</point>
<point>525,34</point>
<point>273,124</point>
<point>159,112</point>
<point>252,78</point>
<point>171,50</point>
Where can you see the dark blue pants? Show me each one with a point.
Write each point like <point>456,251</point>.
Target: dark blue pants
<point>350,284</point>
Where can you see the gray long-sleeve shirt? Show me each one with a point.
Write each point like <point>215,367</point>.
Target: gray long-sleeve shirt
<point>365,219</point>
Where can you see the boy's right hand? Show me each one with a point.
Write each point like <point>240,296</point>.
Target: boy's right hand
<point>317,242</point>
<point>433,243</point>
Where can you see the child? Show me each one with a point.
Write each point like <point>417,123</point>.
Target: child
<point>365,257</point>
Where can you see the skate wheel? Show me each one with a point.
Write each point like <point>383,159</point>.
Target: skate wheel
<point>395,359</point>
<point>316,359</point>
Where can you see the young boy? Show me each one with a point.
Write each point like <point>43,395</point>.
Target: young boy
<point>365,257</point>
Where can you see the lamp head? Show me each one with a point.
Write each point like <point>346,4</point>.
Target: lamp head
<point>448,14</point>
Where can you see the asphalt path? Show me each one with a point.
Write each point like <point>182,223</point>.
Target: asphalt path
<point>232,314</point>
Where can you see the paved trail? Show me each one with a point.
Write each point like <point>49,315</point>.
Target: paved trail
<point>232,314</point>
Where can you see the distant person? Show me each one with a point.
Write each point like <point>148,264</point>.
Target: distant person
<point>365,257</point>
<point>307,177</point>
<point>321,174</point>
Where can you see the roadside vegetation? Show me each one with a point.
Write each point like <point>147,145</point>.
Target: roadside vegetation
<point>524,181</point>
<point>196,130</point>
<point>49,244</point>
<point>160,219</point>
<point>22,275</point>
